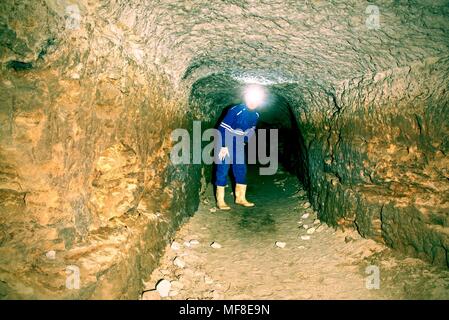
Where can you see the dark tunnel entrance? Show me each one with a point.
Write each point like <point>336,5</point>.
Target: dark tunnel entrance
<point>213,96</point>
<point>292,157</point>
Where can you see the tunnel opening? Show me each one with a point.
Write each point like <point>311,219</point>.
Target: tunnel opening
<point>211,97</point>
<point>245,237</point>
<point>291,147</point>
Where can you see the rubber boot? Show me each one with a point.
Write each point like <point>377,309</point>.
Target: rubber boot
<point>221,204</point>
<point>240,196</point>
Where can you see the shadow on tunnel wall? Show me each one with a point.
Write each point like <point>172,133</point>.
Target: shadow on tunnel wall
<point>291,146</point>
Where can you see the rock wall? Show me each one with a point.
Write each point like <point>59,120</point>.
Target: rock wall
<point>380,161</point>
<point>85,178</point>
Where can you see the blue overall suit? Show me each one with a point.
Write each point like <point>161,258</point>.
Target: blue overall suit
<point>239,123</point>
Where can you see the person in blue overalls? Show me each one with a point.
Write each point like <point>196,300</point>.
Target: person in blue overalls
<point>238,125</point>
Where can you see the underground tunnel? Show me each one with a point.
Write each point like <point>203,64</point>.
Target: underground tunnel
<point>92,207</point>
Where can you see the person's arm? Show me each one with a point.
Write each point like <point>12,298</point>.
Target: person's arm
<point>249,133</point>
<point>226,125</point>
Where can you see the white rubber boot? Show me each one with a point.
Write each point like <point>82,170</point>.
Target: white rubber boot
<point>240,196</point>
<point>221,204</point>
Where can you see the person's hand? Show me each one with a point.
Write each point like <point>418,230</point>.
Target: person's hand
<point>223,153</point>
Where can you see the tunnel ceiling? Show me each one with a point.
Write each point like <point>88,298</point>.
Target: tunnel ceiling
<point>289,41</point>
<point>304,48</point>
<point>267,41</point>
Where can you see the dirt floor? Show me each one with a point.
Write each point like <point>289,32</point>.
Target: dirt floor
<point>317,261</point>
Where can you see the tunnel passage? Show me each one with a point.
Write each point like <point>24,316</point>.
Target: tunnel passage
<point>90,94</point>
<point>213,96</point>
<point>291,146</point>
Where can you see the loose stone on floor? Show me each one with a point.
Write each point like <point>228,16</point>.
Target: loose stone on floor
<point>281,250</point>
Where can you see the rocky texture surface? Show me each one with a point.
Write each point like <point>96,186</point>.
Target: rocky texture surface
<point>90,91</point>
<point>84,170</point>
<point>371,107</point>
<point>381,162</point>
<point>268,252</point>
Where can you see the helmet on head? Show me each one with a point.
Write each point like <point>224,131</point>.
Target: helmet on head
<point>254,96</point>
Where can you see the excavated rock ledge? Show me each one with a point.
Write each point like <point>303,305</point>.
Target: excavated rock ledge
<point>381,162</point>
<point>85,179</point>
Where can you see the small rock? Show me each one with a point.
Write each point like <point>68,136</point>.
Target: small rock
<point>305,226</point>
<point>186,244</point>
<point>320,228</point>
<point>208,280</point>
<point>179,263</point>
<point>317,221</point>
<point>194,242</point>
<point>151,295</point>
<point>215,245</point>
<point>173,293</point>
<point>306,205</point>
<point>51,255</point>
<point>213,210</point>
<point>301,247</point>
<point>280,244</point>
<point>311,230</point>
<point>163,287</point>
<point>305,216</point>
<point>349,239</point>
<point>305,237</point>
<point>175,246</point>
